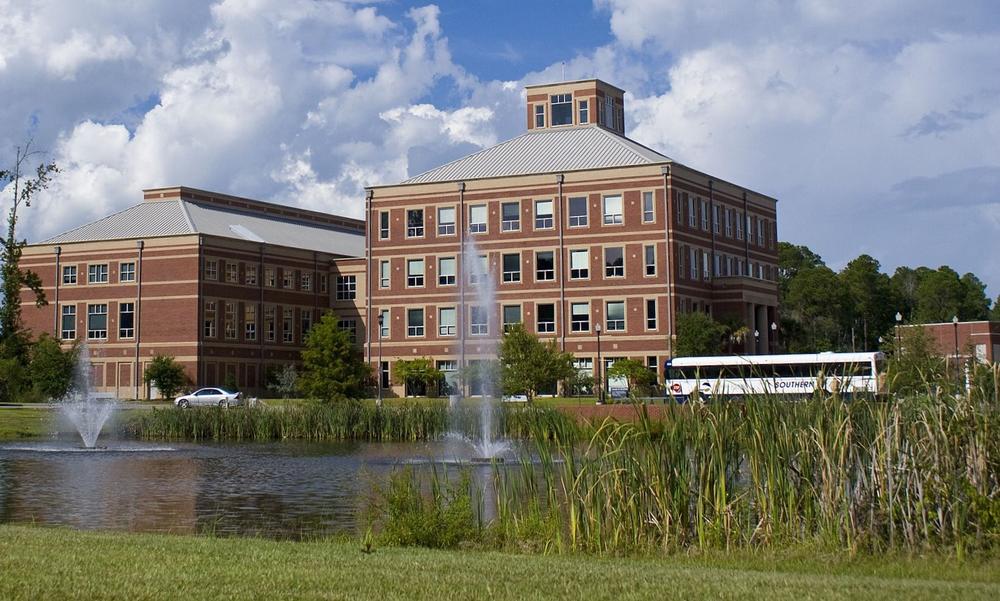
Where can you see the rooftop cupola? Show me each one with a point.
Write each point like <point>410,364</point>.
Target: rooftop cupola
<point>581,102</point>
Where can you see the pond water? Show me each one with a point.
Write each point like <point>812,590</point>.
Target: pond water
<point>276,490</point>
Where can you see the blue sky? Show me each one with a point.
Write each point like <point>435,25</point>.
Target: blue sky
<point>874,122</point>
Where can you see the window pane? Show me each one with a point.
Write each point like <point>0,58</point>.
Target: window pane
<point>543,214</point>
<point>614,265</point>
<point>577,211</point>
<point>546,318</point>
<point>511,315</point>
<point>562,109</point>
<point>612,210</point>
<point>578,259</point>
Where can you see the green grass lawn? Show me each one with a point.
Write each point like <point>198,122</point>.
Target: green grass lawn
<point>25,422</point>
<point>44,563</point>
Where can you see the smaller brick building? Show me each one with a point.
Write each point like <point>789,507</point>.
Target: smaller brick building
<point>969,339</point>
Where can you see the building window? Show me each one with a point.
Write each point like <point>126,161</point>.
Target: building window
<point>347,287</point>
<point>749,228</point>
<point>693,262</point>
<point>562,109</point>
<point>98,274</point>
<point>716,265</point>
<point>615,321</point>
<point>648,210</point>
<point>727,215</point>
<point>211,269</point>
<point>307,282</point>
<point>126,272</point>
<point>306,323</point>
<point>649,258</point>
<point>480,271</point>
<point>705,274</point>
<point>715,219</point>
<point>477,219</point>
<point>692,211</point>
<point>511,316</point>
<point>546,318</point>
<point>270,280</point>
<point>414,273</point>
<point>446,221</point>
<point>384,321</point>
<point>545,265</point>
<point>612,210</point>
<point>539,115</point>
<point>323,285</point>
<point>97,321</point>
<point>383,273</point>
<point>578,211</point>
<point>760,232</point>
<point>209,329</point>
<point>68,330</point>
<point>415,322</point>
<point>704,215</point>
<point>232,272</point>
<point>679,207</point>
<point>287,335</point>
<point>479,322</point>
<point>250,322</point>
<point>651,314</point>
<point>580,317</point>
<point>614,262</point>
<point>351,327</point>
<point>288,278</point>
<point>739,225</point>
<point>126,320</point>
<point>543,215</point>
<point>383,225</point>
<point>250,275</point>
<point>69,274</point>
<point>511,268</point>
<point>270,315</point>
<point>510,216</point>
<point>414,223</point>
<point>447,321</point>
<point>446,271</point>
<point>230,320</point>
<point>579,264</point>
<point>584,111</point>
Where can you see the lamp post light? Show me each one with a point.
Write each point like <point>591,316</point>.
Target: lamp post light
<point>774,334</point>
<point>756,342</point>
<point>899,322</point>
<point>954,323</point>
<point>600,367</point>
<point>381,318</point>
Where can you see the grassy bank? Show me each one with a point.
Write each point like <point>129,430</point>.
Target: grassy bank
<point>41,563</point>
<point>25,422</point>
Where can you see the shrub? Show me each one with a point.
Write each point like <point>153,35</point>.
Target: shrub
<point>166,374</point>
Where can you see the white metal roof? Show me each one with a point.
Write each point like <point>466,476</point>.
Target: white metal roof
<point>830,357</point>
<point>554,150</point>
<point>180,216</point>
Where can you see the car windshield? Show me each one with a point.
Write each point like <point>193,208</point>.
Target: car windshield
<point>227,391</point>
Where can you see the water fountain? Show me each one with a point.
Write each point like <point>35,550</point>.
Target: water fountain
<point>86,410</point>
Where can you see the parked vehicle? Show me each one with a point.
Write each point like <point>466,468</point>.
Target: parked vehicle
<point>210,396</point>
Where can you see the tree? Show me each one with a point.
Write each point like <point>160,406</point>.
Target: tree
<point>284,382</point>
<point>14,340</point>
<point>51,368</point>
<point>640,378</point>
<point>995,311</point>
<point>418,375</point>
<point>817,300</point>
<point>166,374</point>
<point>791,260</point>
<point>872,304</point>
<point>940,296</point>
<point>528,365</point>
<point>975,304</point>
<point>332,367</point>
<point>915,365</point>
<point>698,335</point>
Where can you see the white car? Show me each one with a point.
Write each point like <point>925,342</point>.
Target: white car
<point>210,396</point>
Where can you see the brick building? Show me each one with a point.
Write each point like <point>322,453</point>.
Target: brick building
<point>576,226</point>
<point>979,340</point>
<point>227,286</point>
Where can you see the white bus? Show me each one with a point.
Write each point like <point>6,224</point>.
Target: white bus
<point>797,375</point>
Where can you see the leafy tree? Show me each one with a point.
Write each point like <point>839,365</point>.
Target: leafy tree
<point>640,378</point>
<point>791,260</point>
<point>14,341</point>
<point>698,335</point>
<point>283,382</point>
<point>819,303</point>
<point>528,365</point>
<point>915,364</point>
<point>940,296</point>
<point>416,374</point>
<point>995,311</point>
<point>332,366</point>
<point>166,374</point>
<point>51,368</point>
<point>975,304</point>
<point>872,303</point>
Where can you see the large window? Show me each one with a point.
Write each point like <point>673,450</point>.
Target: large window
<point>209,325</point>
<point>270,316</point>
<point>447,321</point>
<point>126,320</point>
<point>288,316</point>
<point>649,258</point>
<point>715,219</point>
<point>306,282</point>
<point>580,317</point>
<point>414,223</point>
<point>351,327</point>
<point>446,271</point>
<point>511,268</point>
<point>414,273</point>
<point>446,221</point>
<point>414,322</point>
<point>614,262</point>
<point>250,275</point>
<point>612,210</point>
<point>539,115</point>
<point>250,322</point>
<point>68,330</point>
<point>584,111</point>
<point>232,272</point>
<point>546,318</point>
<point>705,274</point>
<point>704,215</point>
<point>615,321</point>
<point>543,214</point>
<point>479,321</point>
<point>692,211</point>
<point>230,320</point>
<point>545,265</point>
<point>562,109</point>
<point>383,323</point>
<point>69,274</point>
<point>728,216</point>
<point>511,316</point>
<point>510,216</point>
<point>739,224</point>
<point>97,321</point>
<point>287,278</point>
<point>648,210</point>
<point>578,211</point>
<point>383,225</point>
<point>651,314</point>
<point>477,219</point>
<point>479,270</point>
<point>270,279</point>
<point>126,272</point>
<point>693,262</point>
<point>347,287</point>
<point>383,274</point>
<point>98,274</point>
<point>579,264</point>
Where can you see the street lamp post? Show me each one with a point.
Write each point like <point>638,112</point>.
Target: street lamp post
<point>899,322</point>
<point>774,335</point>
<point>954,323</point>
<point>379,370</point>
<point>756,342</point>
<point>600,367</point>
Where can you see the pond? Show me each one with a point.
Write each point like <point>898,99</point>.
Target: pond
<point>275,490</point>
